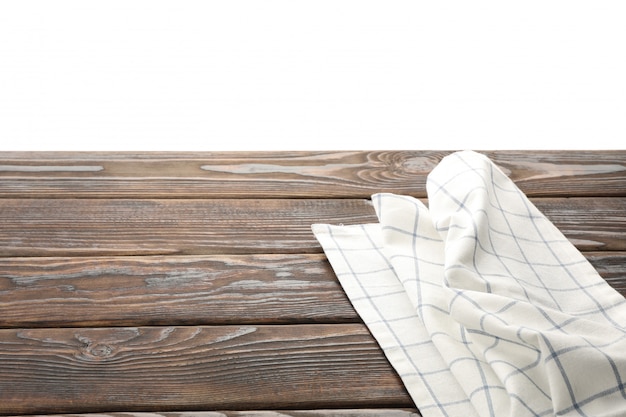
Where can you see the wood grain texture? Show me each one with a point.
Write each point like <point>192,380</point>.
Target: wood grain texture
<point>189,290</point>
<point>194,368</point>
<point>191,285</point>
<point>612,267</point>
<point>170,290</point>
<point>362,412</point>
<point>350,174</point>
<point>39,227</point>
<point>92,227</point>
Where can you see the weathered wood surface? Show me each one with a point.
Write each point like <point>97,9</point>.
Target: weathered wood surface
<point>188,284</point>
<point>162,290</point>
<point>361,412</point>
<point>291,174</point>
<point>93,227</point>
<point>226,367</point>
<point>612,267</point>
<point>189,290</point>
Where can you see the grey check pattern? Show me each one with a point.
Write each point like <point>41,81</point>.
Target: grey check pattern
<point>480,303</point>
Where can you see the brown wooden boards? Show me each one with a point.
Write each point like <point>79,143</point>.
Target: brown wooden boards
<point>162,290</point>
<point>189,290</point>
<point>361,412</point>
<point>349,174</point>
<point>94,227</point>
<point>173,368</point>
<point>191,285</point>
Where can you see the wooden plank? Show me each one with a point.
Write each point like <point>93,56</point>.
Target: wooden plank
<point>192,290</point>
<point>349,174</point>
<point>362,412</point>
<point>66,370</point>
<point>592,224</point>
<point>170,290</point>
<point>612,267</point>
<point>92,227</point>
<point>57,227</point>
<point>565,173</point>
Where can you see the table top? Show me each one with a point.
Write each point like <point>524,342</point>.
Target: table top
<point>181,283</point>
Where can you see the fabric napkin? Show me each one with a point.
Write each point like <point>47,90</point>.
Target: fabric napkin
<point>480,303</point>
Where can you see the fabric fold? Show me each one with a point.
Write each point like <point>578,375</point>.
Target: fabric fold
<point>480,303</point>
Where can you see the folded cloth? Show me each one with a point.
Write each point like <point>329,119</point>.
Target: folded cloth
<point>480,303</point>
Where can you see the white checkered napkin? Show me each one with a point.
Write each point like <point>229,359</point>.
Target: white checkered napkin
<point>369,280</point>
<point>535,311</point>
<point>510,316</point>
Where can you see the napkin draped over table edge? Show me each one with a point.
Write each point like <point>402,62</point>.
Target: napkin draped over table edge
<point>480,303</point>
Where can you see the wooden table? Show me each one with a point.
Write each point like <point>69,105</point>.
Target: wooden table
<point>191,282</point>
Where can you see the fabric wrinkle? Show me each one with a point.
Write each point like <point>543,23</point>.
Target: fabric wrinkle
<point>513,319</point>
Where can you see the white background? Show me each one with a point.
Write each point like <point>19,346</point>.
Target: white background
<point>307,75</point>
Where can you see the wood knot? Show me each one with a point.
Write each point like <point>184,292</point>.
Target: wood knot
<point>91,350</point>
<point>101,351</point>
